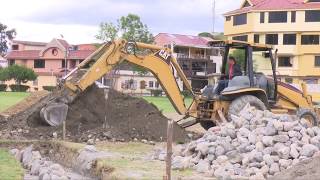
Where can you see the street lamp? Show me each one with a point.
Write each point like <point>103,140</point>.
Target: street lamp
<point>213,16</point>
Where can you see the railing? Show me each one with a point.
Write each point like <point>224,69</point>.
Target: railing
<point>192,56</point>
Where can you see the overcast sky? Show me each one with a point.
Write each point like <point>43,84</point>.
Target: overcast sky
<point>78,20</point>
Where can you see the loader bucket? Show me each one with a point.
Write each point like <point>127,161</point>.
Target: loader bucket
<point>54,113</point>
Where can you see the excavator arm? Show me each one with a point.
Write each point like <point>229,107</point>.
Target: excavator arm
<point>159,61</point>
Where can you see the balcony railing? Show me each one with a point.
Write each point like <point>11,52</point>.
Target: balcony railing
<point>192,56</point>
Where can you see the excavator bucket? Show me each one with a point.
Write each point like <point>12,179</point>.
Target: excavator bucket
<point>54,113</point>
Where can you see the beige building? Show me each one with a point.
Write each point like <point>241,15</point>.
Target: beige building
<point>292,27</point>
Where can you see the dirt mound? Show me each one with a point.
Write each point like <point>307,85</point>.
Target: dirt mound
<point>307,169</point>
<point>91,116</point>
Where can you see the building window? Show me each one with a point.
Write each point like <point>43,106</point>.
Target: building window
<point>311,81</point>
<point>129,84</point>
<point>317,61</point>
<point>228,18</point>
<point>157,85</point>
<point>256,38</point>
<point>15,47</point>
<point>239,19</point>
<point>240,38</point>
<point>150,84</point>
<point>284,62</point>
<point>142,85</point>
<point>288,80</point>
<point>73,64</point>
<point>39,63</point>
<point>12,62</point>
<point>309,39</point>
<point>262,17</point>
<point>278,17</point>
<point>63,63</point>
<point>312,16</point>
<point>293,16</point>
<point>289,39</point>
<point>272,39</point>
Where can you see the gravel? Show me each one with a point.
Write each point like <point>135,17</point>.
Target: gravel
<point>254,145</point>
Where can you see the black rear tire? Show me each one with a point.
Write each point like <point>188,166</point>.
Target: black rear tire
<point>309,115</point>
<point>239,103</point>
<point>207,124</point>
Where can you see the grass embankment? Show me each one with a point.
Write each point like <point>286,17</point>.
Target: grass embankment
<point>164,104</point>
<point>8,99</point>
<point>10,168</point>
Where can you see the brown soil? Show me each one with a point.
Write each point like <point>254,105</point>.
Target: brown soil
<point>120,117</point>
<point>308,169</point>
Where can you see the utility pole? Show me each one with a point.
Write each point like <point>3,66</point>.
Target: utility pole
<point>213,16</point>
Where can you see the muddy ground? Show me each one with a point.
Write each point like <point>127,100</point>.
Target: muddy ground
<point>90,116</point>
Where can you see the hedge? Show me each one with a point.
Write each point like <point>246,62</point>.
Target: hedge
<point>49,88</point>
<point>19,88</point>
<point>156,92</point>
<point>3,87</point>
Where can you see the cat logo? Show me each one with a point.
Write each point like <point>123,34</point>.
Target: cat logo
<point>164,55</point>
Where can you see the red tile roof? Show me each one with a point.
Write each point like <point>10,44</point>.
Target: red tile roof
<point>80,54</point>
<point>64,43</point>
<point>26,54</point>
<point>183,40</point>
<point>86,47</point>
<point>33,43</point>
<point>260,5</point>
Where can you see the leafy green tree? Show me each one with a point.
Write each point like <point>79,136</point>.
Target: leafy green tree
<point>215,36</point>
<point>107,32</point>
<point>5,35</point>
<point>239,55</point>
<point>20,74</point>
<point>129,27</point>
<point>4,76</point>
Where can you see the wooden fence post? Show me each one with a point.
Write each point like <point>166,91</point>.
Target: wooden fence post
<point>169,149</point>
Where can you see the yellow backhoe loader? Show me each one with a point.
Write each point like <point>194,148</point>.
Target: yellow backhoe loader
<point>253,87</point>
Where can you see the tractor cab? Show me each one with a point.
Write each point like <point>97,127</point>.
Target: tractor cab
<point>258,71</point>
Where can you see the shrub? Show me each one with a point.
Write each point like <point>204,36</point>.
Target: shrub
<point>49,88</point>
<point>3,87</point>
<point>156,92</point>
<point>19,88</point>
<point>20,74</point>
<point>4,75</point>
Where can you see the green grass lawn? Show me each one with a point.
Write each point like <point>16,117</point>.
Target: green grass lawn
<point>164,104</point>
<point>8,99</point>
<point>10,168</point>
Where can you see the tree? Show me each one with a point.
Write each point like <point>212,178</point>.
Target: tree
<point>128,27</point>
<point>107,32</point>
<point>4,76</point>
<point>239,55</point>
<point>5,35</point>
<point>215,36</point>
<point>20,74</point>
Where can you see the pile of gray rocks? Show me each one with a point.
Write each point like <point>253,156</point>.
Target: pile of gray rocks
<point>39,167</point>
<point>254,145</point>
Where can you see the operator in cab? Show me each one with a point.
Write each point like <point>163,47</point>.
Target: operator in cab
<point>233,71</point>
